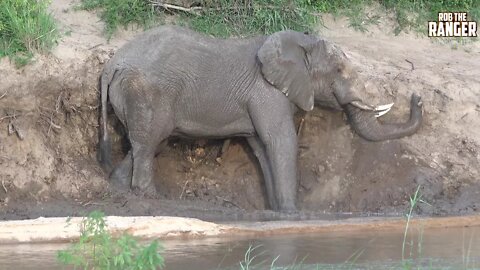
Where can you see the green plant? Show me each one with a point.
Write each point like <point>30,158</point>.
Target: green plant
<point>26,27</point>
<point>122,13</point>
<point>246,17</point>
<point>97,249</point>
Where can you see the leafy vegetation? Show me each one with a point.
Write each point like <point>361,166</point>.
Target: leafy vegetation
<point>247,17</point>
<point>97,249</point>
<point>122,12</point>
<point>26,27</point>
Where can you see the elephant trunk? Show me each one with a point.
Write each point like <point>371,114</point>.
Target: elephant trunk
<point>367,126</point>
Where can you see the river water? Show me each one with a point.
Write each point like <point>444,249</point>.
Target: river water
<point>449,248</point>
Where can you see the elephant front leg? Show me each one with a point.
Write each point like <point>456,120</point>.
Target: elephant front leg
<point>280,140</point>
<point>272,118</point>
<point>260,152</point>
<point>282,153</point>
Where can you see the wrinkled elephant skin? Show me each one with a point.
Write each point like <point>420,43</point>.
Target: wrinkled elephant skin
<point>170,81</point>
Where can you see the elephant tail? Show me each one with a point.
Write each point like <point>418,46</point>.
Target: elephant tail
<point>105,145</point>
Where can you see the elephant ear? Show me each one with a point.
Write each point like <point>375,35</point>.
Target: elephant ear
<point>285,65</point>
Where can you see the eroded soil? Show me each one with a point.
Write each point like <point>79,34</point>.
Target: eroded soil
<point>49,133</point>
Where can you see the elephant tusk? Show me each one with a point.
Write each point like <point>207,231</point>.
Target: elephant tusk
<point>362,105</point>
<point>382,109</point>
<point>380,113</point>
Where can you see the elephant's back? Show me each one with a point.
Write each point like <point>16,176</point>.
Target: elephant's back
<point>177,46</point>
<point>182,63</point>
<point>150,45</point>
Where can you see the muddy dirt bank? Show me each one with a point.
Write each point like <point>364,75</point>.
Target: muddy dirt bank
<point>49,127</point>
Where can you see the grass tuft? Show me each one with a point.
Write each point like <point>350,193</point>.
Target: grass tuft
<point>408,14</point>
<point>225,18</point>
<point>414,200</point>
<point>354,10</point>
<point>413,14</point>
<point>26,27</point>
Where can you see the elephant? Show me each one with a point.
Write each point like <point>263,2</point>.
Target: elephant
<point>171,81</point>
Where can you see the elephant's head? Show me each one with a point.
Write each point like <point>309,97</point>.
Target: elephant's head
<point>310,70</point>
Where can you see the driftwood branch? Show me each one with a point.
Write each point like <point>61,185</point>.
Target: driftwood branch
<point>192,10</point>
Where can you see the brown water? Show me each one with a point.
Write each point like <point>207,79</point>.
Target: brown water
<point>453,248</point>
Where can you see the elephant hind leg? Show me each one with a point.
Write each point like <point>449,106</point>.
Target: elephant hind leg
<point>122,174</point>
<point>143,155</point>
<point>142,173</point>
<point>148,122</point>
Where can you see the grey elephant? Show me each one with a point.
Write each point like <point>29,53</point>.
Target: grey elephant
<point>171,81</point>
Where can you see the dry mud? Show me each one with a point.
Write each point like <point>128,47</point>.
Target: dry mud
<point>48,124</point>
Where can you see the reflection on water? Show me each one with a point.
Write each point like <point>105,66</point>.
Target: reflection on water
<point>454,247</point>
<point>30,257</point>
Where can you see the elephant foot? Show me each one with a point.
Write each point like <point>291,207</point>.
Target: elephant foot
<point>121,177</point>
<point>149,193</point>
<point>289,212</point>
<point>288,209</point>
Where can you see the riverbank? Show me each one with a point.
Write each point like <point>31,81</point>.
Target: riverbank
<point>61,230</point>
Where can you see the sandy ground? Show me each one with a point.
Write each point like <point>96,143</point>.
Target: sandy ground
<point>53,105</point>
<point>44,230</point>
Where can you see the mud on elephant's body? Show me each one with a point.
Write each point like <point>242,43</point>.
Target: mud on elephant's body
<point>172,81</point>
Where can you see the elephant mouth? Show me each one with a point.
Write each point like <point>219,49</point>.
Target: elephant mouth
<point>378,110</point>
